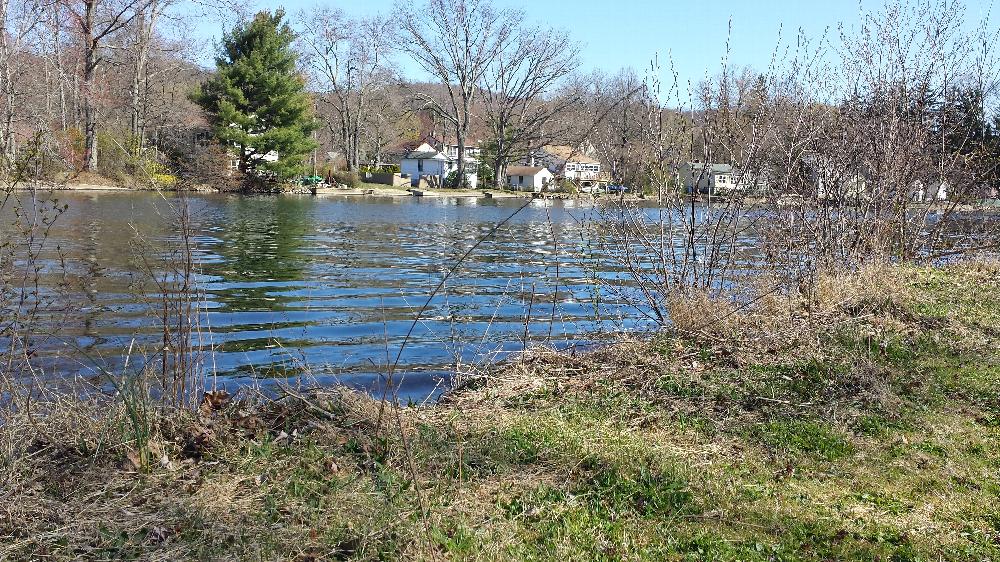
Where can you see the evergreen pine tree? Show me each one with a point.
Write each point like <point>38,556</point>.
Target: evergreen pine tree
<point>257,102</point>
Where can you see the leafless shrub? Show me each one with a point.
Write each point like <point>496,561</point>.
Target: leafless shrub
<point>869,149</point>
<point>167,286</point>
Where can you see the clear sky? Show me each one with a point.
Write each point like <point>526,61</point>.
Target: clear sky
<point>616,34</point>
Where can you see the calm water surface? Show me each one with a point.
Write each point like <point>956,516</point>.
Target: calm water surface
<point>325,285</point>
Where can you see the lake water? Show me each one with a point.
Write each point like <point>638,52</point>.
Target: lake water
<point>325,285</point>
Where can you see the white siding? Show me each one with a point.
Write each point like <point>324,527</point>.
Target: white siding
<point>429,167</point>
<point>534,183</point>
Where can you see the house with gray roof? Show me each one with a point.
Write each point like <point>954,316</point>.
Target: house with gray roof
<point>720,179</point>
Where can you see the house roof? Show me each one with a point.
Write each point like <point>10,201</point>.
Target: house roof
<point>425,155</point>
<point>524,170</point>
<point>715,168</point>
<point>426,152</point>
<point>568,153</point>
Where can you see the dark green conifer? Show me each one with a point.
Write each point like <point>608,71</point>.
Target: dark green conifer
<point>257,102</point>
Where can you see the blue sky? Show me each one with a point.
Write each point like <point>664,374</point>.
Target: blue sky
<point>692,32</point>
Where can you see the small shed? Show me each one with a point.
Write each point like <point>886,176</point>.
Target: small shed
<point>426,162</point>
<point>529,178</point>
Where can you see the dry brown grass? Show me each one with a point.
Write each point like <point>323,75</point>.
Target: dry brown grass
<point>786,447</point>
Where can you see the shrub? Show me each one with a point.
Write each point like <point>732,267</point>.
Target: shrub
<point>209,166</point>
<point>350,179</point>
<point>164,180</point>
<point>567,186</point>
<point>121,157</point>
<point>485,173</point>
<point>384,169</point>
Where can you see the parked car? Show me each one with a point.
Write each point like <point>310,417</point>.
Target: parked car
<point>618,189</point>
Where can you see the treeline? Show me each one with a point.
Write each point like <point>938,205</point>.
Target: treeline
<point>118,88</point>
<point>109,86</point>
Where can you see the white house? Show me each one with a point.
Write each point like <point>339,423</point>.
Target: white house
<point>472,150</point>
<point>935,191</point>
<point>529,178</point>
<point>698,177</point>
<point>427,163</point>
<point>569,163</point>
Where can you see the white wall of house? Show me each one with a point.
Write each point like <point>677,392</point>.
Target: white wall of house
<point>434,164</point>
<point>579,168</point>
<point>438,167</point>
<point>921,192</point>
<point>470,151</point>
<point>720,179</point>
<point>530,182</point>
<point>416,168</point>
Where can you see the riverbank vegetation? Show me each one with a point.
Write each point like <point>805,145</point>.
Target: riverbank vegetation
<point>859,421</point>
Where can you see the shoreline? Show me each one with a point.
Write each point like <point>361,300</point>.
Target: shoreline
<point>992,207</point>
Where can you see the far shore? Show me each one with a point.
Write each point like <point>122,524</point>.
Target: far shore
<point>378,190</point>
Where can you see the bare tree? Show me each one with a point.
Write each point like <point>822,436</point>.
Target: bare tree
<point>455,41</point>
<point>515,88</point>
<point>142,31</point>
<point>95,21</point>
<point>389,120</point>
<point>352,70</point>
<point>18,18</point>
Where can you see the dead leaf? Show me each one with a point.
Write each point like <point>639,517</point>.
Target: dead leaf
<point>213,401</point>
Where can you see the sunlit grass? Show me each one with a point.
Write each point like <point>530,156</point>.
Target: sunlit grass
<point>875,437</point>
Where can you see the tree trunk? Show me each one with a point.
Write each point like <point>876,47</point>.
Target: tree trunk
<point>89,72</point>
<point>498,169</point>
<point>462,180</point>
<point>143,39</point>
<point>6,85</point>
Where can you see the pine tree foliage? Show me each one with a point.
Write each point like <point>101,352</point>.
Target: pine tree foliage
<point>257,100</point>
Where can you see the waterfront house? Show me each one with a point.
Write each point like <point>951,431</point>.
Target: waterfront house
<point>699,177</point>
<point>934,191</point>
<point>529,178</point>
<point>426,163</point>
<point>472,148</point>
<point>568,163</point>
<point>721,179</point>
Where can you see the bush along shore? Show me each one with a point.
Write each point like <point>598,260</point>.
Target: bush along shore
<point>860,422</point>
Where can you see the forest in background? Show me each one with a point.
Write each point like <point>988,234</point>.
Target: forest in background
<point>103,89</point>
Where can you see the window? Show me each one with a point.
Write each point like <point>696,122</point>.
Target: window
<point>420,165</point>
<point>520,180</point>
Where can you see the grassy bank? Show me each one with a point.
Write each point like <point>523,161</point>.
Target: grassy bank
<point>862,422</point>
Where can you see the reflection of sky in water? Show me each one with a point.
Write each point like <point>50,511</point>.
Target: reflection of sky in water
<point>297,284</point>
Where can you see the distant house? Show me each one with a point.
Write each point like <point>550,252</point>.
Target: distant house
<point>719,179</point>
<point>433,166</point>
<point>569,163</point>
<point>472,149</point>
<point>394,154</point>
<point>698,177</point>
<point>529,178</point>
<point>933,191</point>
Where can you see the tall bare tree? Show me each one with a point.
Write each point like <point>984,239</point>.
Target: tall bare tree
<point>456,41</point>
<point>96,21</point>
<point>18,18</point>
<point>351,68</point>
<point>518,89</point>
